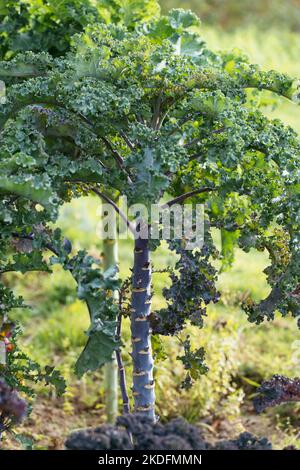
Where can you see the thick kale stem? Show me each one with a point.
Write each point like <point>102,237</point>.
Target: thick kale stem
<point>143,383</point>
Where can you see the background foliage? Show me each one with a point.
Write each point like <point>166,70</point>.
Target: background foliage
<point>231,14</point>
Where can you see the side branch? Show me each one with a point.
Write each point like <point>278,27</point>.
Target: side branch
<point>122,373</point>
<point>198,139</point>
<point>127,140</point>
<point>185,196</point>
<point>116,208</point>
<point>117,157</point>
<point>114,152</point>
<point>48,246</point>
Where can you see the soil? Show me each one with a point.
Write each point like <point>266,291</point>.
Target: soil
<point>49,425</point>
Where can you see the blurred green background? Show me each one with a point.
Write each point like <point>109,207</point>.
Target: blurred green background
<point>231,14</point>
<point>239,354</point>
